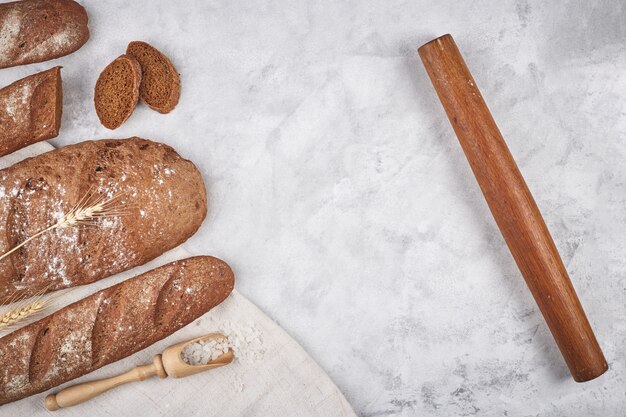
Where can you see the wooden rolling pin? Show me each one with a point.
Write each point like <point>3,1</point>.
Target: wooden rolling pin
<point>513,208</point>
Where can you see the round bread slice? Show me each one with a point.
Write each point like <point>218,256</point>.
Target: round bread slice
<point>117,91</point>
<point>160,83</point>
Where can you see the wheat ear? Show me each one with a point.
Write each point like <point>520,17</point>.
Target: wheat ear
<point>25,309</point>
<point>85,212</point>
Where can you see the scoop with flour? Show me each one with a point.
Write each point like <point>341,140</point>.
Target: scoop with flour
<point>180,360</point>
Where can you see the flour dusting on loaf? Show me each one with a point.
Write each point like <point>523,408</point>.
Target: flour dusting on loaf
<point>9,32</point>
<point>14,104</point>
<point>161,196</point>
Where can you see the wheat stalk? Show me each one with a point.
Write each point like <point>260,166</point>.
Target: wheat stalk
<point>12,317</point>
<point>25,309</point>
<point>85,213</point>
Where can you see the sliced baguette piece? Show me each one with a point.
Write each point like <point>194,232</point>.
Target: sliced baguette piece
<point>160,202</point>
<point>117,91</point>
<point>110,325</point>
<point>160,83</point>
<point>30,110</point>
<point>39,30</point>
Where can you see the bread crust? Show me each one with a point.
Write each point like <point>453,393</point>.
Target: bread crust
<point>161,194</point>
<point>110,325</point>
<point>39,30</point>
<point>30,110</point>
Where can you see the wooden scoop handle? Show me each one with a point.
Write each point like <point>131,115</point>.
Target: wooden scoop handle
<point>513,208</point>
<point>80,393</point>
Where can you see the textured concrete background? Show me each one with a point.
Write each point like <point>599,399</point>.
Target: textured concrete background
<point>342,199</point>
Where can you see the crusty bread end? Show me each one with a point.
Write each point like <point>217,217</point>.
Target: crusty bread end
<point>30,110</point>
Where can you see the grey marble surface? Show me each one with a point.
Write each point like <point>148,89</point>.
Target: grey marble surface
<point>340,196</point>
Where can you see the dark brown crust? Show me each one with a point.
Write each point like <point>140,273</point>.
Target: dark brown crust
<point>114,105</point>
<point>110,325</point>
<point>169,81</point>
<point>162,194</point>
<point>39,30</point>
<point>58,111</point>
<point>30,110</point>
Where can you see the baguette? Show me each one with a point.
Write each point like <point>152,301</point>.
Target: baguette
<point>161,196</point>
<point>30,110</point>
<point>39,30</point>
<point>110,325</point>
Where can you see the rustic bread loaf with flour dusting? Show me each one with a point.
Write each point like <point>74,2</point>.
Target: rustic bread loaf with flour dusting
<point>30,110</point>
<point>39,30</point>
<point>110,325</point>
<point>160,201</point>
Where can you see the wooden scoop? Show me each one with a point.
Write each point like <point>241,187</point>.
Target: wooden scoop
<point>169,363</point>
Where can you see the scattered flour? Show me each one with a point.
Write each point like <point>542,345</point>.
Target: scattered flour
<point>57,268</point>
<point>245,340</point>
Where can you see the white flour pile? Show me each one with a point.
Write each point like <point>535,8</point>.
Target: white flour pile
<point>204,351</point>
<point>245,340</point>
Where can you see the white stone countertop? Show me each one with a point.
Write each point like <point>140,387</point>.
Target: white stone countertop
<point>342,200</point>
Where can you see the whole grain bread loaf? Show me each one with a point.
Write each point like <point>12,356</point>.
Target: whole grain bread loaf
<point>30,110</point>
<point>39,30</point>
<point>160,201</point>
<point>117,91</point>
<point>160,83</point>
<point>110,325</point>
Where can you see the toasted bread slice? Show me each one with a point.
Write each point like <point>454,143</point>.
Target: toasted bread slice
<point>30,110</point>
<point>117,91</point>
<point>160,83</point>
